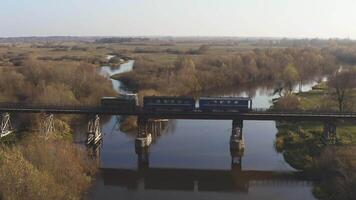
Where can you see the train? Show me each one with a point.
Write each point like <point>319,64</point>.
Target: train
<point>169,103</point>
<point>127,102</point>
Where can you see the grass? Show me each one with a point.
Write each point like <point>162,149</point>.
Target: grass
<point>320,98</point>
<point>302,142</point>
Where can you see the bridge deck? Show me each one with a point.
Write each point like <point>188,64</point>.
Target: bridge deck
<point>258,114</point>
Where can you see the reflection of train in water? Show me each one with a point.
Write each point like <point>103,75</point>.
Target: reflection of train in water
<point>164,103</point>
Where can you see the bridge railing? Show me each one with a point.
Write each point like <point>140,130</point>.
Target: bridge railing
<point>316,112</point>
<point>45,106</point>
<point>94,108</point>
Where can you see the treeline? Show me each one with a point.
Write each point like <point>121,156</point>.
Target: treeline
<point>157,49</point>
<point>121,39</point>
<point>53,83</point>
<point>190,74</point>
<point>34,160</point>
<point>346,55</point>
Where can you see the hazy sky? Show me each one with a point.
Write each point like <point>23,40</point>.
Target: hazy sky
<point>269,18</point>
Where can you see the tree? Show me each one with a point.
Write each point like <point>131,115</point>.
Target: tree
<point>289,77</point>
<point>186,76</point>
<point>341,84</point>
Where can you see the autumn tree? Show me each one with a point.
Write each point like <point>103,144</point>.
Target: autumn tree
<point>341,84</point>
<point>288,78</point>
<point>186,76</point>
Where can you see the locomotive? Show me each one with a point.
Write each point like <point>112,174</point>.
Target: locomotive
<point>127,101</point>
<point>168,103</point>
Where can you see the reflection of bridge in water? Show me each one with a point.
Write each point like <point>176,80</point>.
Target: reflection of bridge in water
<point>147,178</point>
<point>201,180</point>
<point>234,180</point>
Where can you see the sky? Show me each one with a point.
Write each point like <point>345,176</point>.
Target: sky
<point>240,18</point>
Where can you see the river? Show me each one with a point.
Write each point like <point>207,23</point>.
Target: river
<point>191,159</point>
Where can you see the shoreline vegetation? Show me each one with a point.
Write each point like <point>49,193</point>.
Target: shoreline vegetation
<point>29,160</point>
<point>303,145</point>
<point>190,75</point>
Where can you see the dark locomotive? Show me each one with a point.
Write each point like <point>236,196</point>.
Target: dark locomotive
<point>129,102</point>
<point>166,103</point>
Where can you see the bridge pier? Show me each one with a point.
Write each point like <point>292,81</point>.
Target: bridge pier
<point>236,138</point>
<point>143,159</point>
<point>94,131</point>
<point>237,144</point>
<point>47,126</point>
<point>144,137</point>
<point>329,132</point>
<point>155,126</point>
<point>6,127</point>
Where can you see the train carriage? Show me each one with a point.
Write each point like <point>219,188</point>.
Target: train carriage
<point>234,104</point>
<point>168,103</point>
<point>129,101</point>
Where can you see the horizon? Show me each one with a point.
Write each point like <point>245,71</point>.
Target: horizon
<point>322,19</point>
<point>177,36</point>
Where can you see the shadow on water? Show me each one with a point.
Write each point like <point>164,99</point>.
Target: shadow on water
<point>234,180</point>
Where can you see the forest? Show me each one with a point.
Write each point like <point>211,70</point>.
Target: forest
<point>29,160</point>
<point>191,74</point>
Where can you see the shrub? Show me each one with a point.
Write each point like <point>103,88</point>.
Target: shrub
<point>337,166</point>
<point>288,102</point>
<point>63,168</point>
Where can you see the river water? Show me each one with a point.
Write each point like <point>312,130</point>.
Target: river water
<point>191,159</point>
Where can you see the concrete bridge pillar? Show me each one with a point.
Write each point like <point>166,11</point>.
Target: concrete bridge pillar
<point>94,131</point>
<point>237,139</point>
<point>142,157</point>
<point>144,137</point>
<point>329,132</point>
<point>5,126</point>
<point>237,144</point>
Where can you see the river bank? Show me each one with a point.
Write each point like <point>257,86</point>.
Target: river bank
<point>304,147</point>
<point>39,156</point>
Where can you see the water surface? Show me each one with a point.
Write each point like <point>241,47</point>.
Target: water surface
<point>191,159</point>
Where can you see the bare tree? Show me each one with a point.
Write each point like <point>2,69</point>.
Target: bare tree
<point>342,83</point>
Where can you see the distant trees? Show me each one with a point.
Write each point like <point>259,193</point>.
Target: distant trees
<point>192,73</point>
<point>186,74</point>
<point>201,50</point>
<point>346,55</point>
<point>121,39</point>
<point>341,84</point>
<point>59,83</point>
<point>290,77</point>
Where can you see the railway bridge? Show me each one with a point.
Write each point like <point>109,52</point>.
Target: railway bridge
<point>148,118</point>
